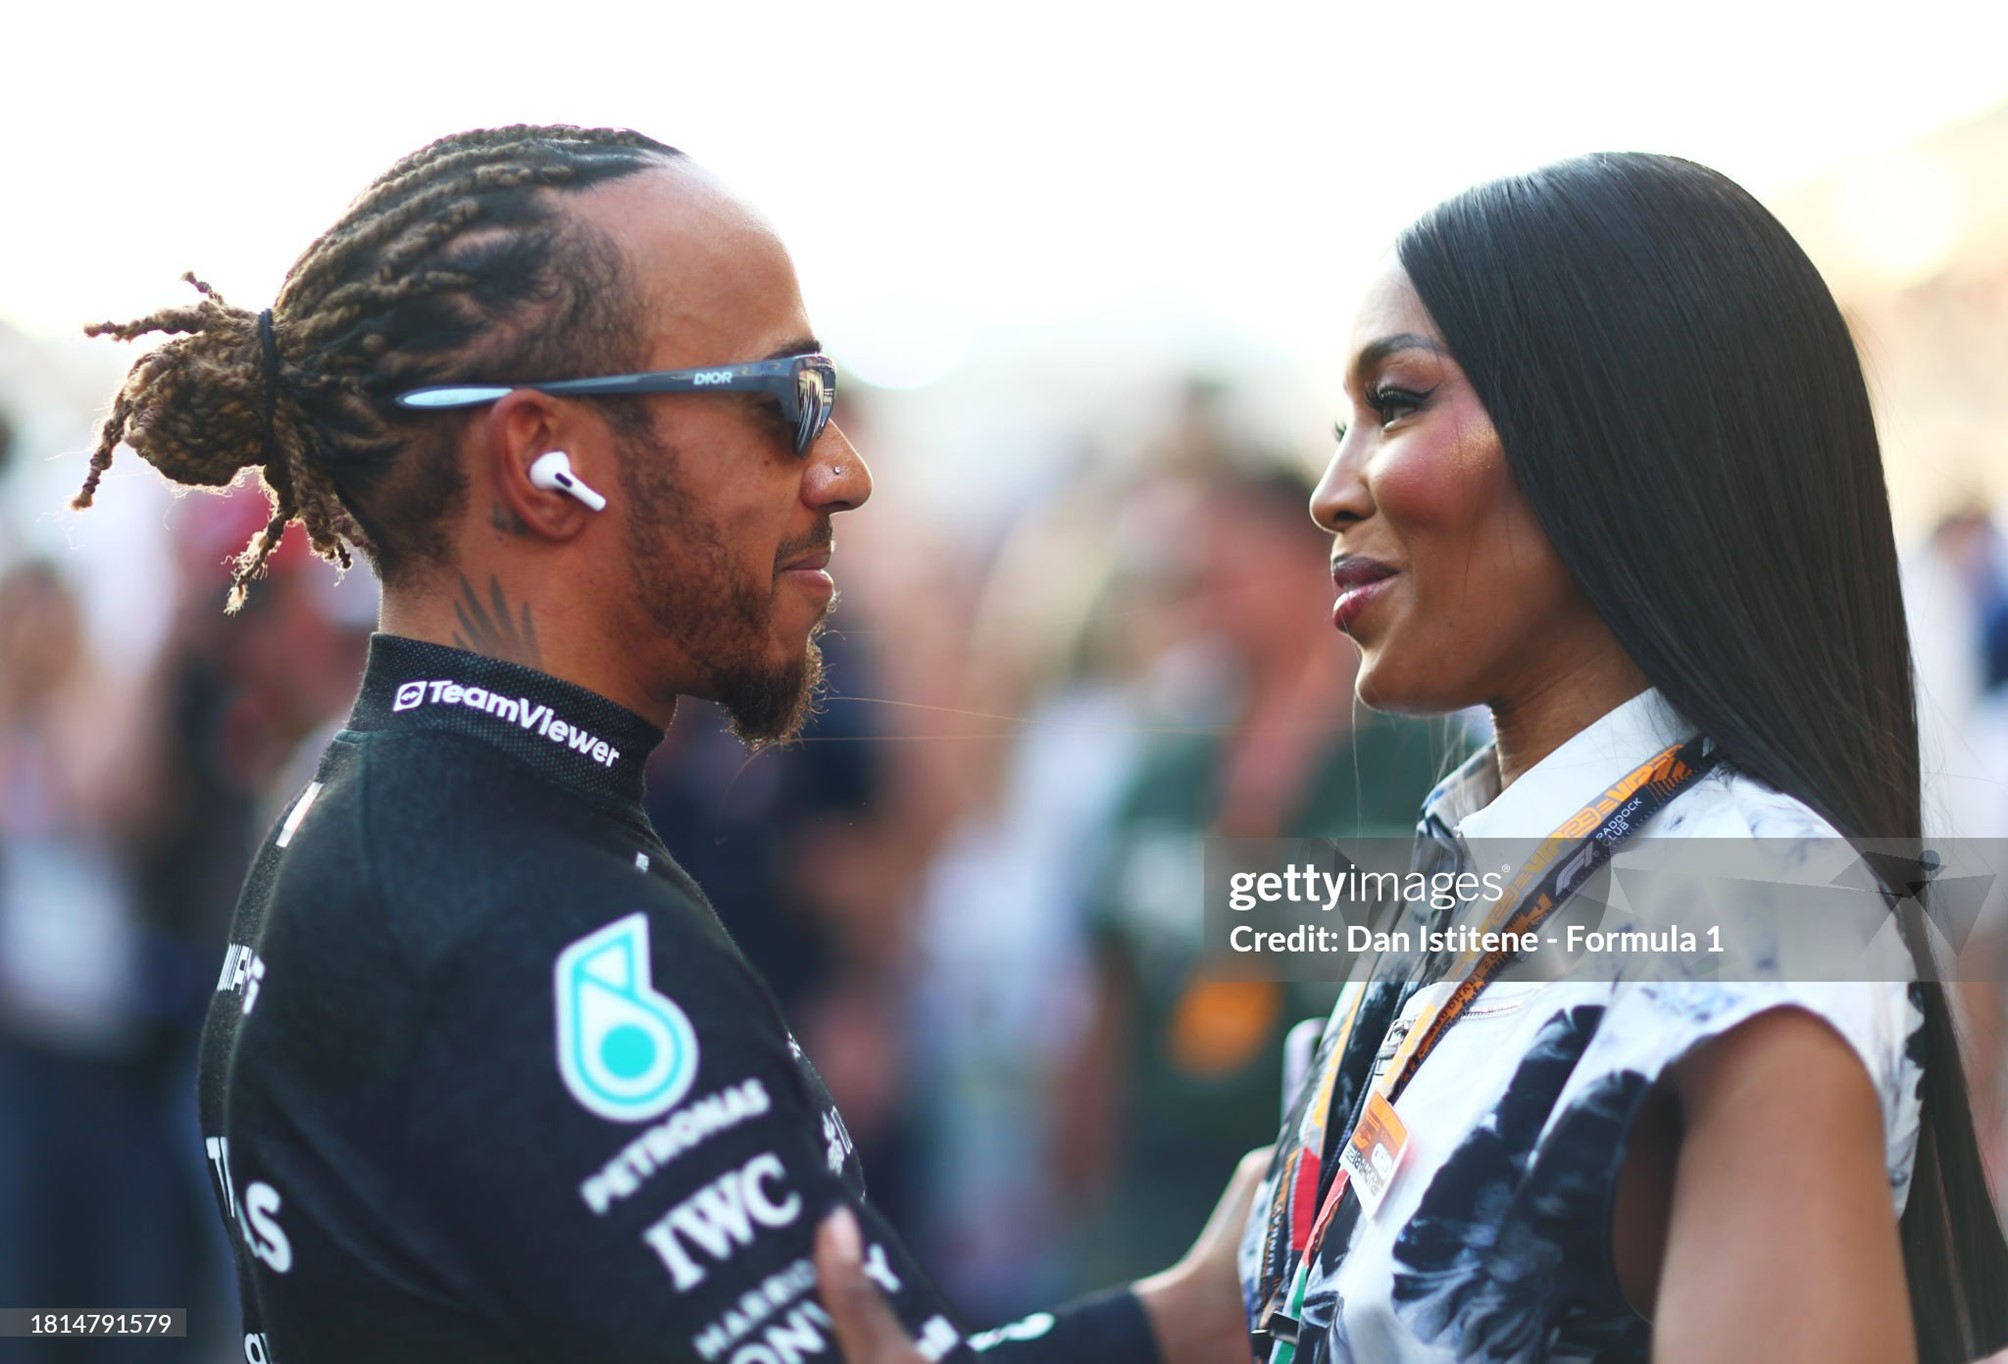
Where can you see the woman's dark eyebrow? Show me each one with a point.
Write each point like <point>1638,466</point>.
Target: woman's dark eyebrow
<point>1373,352</point>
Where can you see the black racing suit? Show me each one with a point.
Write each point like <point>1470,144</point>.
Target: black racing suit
<point>485,1079</point>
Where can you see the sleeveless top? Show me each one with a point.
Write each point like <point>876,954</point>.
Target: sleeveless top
<point>1492,1241</point>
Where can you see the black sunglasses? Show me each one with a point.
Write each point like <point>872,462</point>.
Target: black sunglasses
<point>804,385</point>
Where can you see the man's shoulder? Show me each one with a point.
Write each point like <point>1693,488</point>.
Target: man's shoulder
<point>448,845</point>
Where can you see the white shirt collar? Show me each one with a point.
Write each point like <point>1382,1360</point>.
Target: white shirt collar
<point>1470,802</point>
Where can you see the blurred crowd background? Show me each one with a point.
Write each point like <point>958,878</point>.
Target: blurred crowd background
<point>1084,624</point>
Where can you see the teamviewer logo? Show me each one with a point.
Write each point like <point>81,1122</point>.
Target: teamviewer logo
<point>408,696</point>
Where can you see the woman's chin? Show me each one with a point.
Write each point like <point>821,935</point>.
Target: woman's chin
<point>1373,685</point>
<point>1392,690</point>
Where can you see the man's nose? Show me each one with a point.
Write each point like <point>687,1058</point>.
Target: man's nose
<point>837,478</point>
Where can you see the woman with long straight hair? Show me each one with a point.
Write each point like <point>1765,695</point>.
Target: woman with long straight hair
<point>1612,472</point>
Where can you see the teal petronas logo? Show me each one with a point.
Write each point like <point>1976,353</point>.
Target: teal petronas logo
<point>625,1052</point>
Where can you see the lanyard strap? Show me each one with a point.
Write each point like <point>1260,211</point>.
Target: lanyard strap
<point>1643,793</point>
<point>1565,860</point>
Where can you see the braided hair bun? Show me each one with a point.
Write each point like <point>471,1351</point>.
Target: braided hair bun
<point>203,408</point>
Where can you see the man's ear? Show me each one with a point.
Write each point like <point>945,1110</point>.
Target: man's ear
<point>519,429</point>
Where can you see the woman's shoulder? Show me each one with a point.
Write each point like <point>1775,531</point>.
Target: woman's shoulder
<point>1788,892</point>
<point>1732,803</point>
<point>1742,831</point>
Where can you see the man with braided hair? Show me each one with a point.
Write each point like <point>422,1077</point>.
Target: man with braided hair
<point>484,1078</point>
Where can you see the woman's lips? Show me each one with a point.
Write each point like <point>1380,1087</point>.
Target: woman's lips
<point>1360,581</point>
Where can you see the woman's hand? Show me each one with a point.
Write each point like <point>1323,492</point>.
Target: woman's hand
<point>1195,1306</point>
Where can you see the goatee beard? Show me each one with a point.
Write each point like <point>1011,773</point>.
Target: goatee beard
<point>772,706</point>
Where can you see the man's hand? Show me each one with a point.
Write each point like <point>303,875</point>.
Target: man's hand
<point>867,1331</point>
<point>1195,1306</point>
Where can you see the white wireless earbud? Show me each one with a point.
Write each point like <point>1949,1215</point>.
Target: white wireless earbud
<point>554,470</point>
